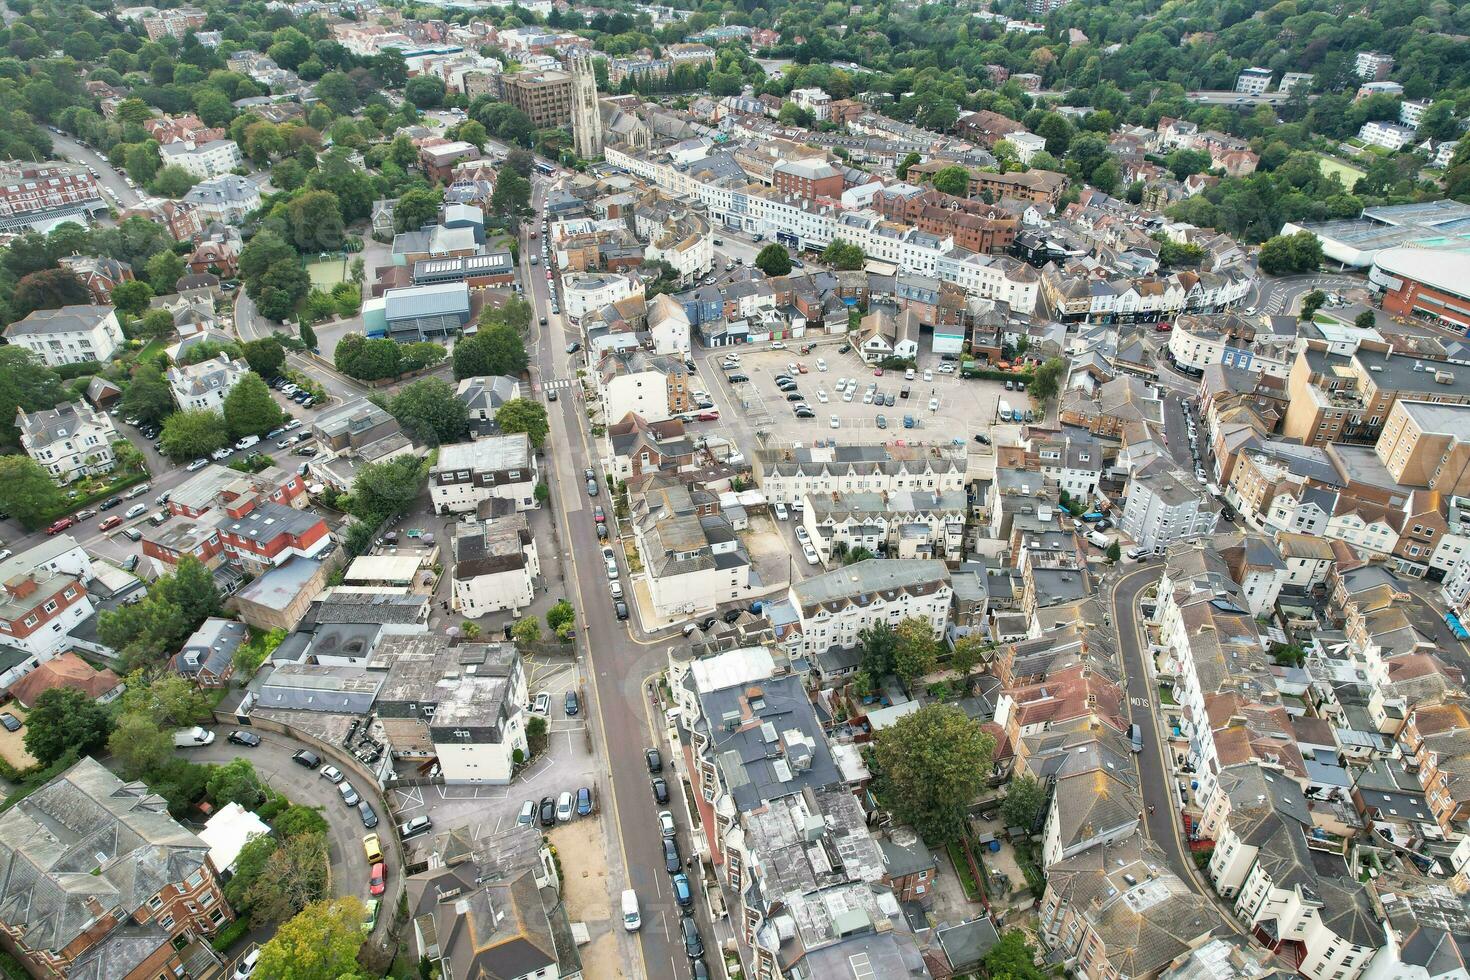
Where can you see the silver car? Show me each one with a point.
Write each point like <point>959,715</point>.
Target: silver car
<point>349,795</point>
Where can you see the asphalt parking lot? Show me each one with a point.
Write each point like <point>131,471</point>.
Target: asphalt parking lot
<point>567,765</point>
<point>960,407</point>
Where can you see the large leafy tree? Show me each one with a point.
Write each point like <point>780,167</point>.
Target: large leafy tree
<point>48,289</point>
<point>952,180</point>
<point>235,782</point>
<point>139,745</point>
<point>917,651</point>
<point>383,490</point>
<point>147,396</point>
<point>131,297</point>
<point>1025,798</point>
<point>842,254</point>
<point>265,356</point>
<point>27,492</point>
<point>25,383</point>
<point>416,208</point>
<point>512,195</point>
<point>1288,254</point>
<point>931,765</point>
<point>368,358</point>
<point>165,269</point>
<point>193,433</point>
<point>319,943</point>
<point>249,408</point>
<point>497,349</point>
<point>773,260</point>
<point>1046,380</point>
<point>64,719</point>
<point>430,412</point>
<point>524,415</point>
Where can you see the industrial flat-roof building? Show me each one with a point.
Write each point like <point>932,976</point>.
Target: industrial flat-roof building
<point>1356,242</point>
<point>418,312</point>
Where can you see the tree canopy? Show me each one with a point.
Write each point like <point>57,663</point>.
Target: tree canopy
<point>931,764</point>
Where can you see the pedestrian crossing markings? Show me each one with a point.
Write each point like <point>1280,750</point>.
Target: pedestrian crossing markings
<point>556,384</point>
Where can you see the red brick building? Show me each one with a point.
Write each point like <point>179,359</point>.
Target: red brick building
<point>153,899</point>
<point>808,179</point>
<point>1427,283</point>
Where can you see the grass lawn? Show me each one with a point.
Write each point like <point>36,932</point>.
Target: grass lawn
<point>962,870</point>
<point>327,273</point>
<point>150,348</point>
<point>1166,695</point>
<point>1348,174</point>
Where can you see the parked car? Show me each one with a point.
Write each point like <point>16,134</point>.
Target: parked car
<point>112,502</point>
<point>367,814</point>
<point>591,488</point>
<point>331,774</point>
<point>571,704</point>
<point>660,790</point>
<point>693,942</point>
<point>349,795</point>
<point>378,879</point>
<point>248,739</point>
<point>620,609</point>
<point>584,801</point>
<point>58,526</point>
<point>11,723</point>
<point>308,759</point>
<point>541,704</point>
<point>683,894</point>
<point>137,510</point>
<point>548,812</point>
<point>109,523</point>
<point>666,823</point>
<point>653,760</point>
<point>564,807</point>
<point>527,816</point>
<point>245,969</point>
<point>416,826</point>
<point>672,860</point>
<point>373,848</point>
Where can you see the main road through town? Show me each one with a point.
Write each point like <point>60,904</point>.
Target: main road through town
<point>617,661</point>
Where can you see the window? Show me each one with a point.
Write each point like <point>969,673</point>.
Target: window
<point>49,607</point>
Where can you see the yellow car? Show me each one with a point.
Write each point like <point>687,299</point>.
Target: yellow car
<point>373,848</point>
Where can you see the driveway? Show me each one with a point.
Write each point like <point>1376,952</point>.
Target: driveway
<point>272,761</point>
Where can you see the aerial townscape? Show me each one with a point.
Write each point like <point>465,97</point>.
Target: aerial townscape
<point>533,490</point>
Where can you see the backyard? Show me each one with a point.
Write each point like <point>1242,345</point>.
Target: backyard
<point>1348,174</point>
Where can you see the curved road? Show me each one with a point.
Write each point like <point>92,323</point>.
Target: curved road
<point>1142,708</point>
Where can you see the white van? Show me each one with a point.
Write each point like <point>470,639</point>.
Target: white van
<point>631,919</point>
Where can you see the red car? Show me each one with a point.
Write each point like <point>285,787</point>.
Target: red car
<point>60,526</point>
<point>708,416</point>
<point>377,879</point>
<point>800,368</point>
<point>598,515</point>
<point>110,523</point>
<point>877,372</point>
<point>1164,327</point>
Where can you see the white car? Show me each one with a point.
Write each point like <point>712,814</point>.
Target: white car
<point>246,967</point>
<point>802,535</point>
<point>564,807</point>
<point>616,588</point>
<point>222,452</point>
<point>822,395</point>
<point>847,395</point>
<point>198,464</point>
<point>781,512</point>
<point>868,397</point>
<point>541,705</point>
<point>666,824</point>
<point>810,554</point>
<point>612,568</point>
<point>331,774</point>
<point>928,375</point>
<point>821,364</point>
<point>836,422</point>
<point>934,404</point>
<point>5,553</point>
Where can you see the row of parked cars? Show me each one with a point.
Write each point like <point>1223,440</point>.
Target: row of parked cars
<point>554,810</point>
<point>674,864</point>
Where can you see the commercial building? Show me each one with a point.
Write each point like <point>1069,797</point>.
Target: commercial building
<point>809,178</point>
<point>1424,444</point>
<point>1428,283</point>
<point>499,467</point>
<point>1356,242</point>
<point>152,897</point>
<point>70,441</point>
<point>69,335</point>
<point>545,96</point>
<point>418,312</point>
<point>654,387</point>
<point>42,195</point>
<point>692,556</point>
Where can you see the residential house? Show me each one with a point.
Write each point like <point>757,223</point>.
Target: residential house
<point>205,384</point>
<point>499,467</point>
<point>69,335</point>
<point>496,566</point>
<point>70,441</point>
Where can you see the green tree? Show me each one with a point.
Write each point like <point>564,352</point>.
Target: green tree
<point>430,412</point>
<point>1311,303</point>
<point>416,208</point>
<point>368,358</point>
<point>1113,552</point>
<point>139,745</point>
<point>967,653</point>
<point>192,589</point>
<point>172,181</point>
<point>560,617</point>
<point>64,719</point>
<point>48,289</point>
<point>297,820</point>
<point>512,196</point>
<point>425,91</point>
<point>25,383</point>
<point>316,221</point>
<point>952,180</point>
<point>843,255</point>
<point>526,630</point>
<point>880,648</point>
<point>148,396</point>
<point>1011,959</point>
<point>917,651</point>
<point>524,415</point>
<point>1046,380</point>
<point>387,489</point>
<point>1024,803</point>
<point>249,408</point>
<point>193,433</point>
<point>249,866</point>
<point>931,764</point>
<point>132,297</point>
<point>774,260</point>
<point>419,355</point>
<point>1290,254</point>
<point>319,943</point>
<point>235,782</point>
<point>265,356</point>
<point>856,555</point>
<point>295,875</point>
<point>263,251</point>
<point>308,336</point>
<point>906,163</point>
<point>165,269</point>
<point>1366,320</point>
<point>27,492</point>
<point>170,701</point>
<point>497,349</point>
